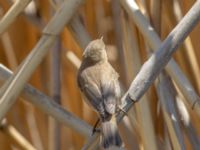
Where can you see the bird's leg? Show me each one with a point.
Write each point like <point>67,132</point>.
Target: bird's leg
<point>95,127</point>
<point>122,110</point>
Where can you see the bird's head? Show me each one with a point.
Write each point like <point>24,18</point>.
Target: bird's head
<point>95,51</point>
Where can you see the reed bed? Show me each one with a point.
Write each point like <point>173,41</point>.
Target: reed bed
<point>153,45</point>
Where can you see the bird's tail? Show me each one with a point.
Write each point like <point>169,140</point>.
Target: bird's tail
<point>110,134</point>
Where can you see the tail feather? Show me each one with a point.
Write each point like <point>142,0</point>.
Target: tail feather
<point>110,134</point>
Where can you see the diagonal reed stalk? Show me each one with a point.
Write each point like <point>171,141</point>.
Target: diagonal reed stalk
<point>154,42</point>
<point>15,136</point>
<point>47,105</point>
<point>12,14</point>
<point>167,96</point>
<point>12,88</point>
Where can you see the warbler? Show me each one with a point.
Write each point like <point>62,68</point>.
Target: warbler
<point>98,82</point>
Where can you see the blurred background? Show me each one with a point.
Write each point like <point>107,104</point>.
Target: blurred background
<point>148,124</point>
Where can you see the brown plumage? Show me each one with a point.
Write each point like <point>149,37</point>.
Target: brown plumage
<point>98,82</point>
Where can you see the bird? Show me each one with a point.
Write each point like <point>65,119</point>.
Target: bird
<point>98,82</point>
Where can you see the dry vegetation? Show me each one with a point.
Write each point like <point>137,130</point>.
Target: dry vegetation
<point>42,45</point>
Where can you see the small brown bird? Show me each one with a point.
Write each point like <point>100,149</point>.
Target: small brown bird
<point>99,83</point>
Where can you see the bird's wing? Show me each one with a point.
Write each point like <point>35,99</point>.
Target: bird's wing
<point>111,93</point>
<point>92,93</point>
